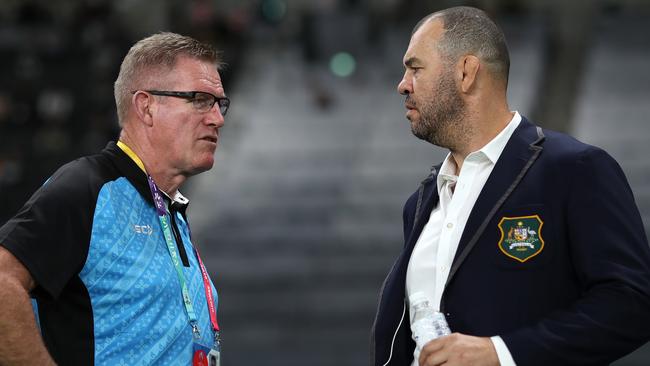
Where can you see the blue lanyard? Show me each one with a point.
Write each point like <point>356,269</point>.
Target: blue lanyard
<point>164,223</point>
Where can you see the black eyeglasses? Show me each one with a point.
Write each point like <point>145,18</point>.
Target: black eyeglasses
<point>201,101</point>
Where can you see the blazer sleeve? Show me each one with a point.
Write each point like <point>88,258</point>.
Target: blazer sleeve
<point>611,258</point>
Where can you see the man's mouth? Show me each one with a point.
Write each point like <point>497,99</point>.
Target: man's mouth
<point>212,139</point>
<point>408,103</point>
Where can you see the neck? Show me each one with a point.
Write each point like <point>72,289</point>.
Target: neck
<point>486,125</point>
<point>168,180</point>
<point>167,183</point>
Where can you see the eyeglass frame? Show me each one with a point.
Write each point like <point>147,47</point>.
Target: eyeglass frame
<point>190,96</point>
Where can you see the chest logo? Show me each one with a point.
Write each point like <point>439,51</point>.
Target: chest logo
<point>143,229</point>
<point>521,237</point>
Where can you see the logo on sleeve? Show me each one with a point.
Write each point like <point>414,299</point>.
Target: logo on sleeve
<point>521,237</point>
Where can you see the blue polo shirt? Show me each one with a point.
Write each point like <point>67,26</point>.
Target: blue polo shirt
<point>107,291</point>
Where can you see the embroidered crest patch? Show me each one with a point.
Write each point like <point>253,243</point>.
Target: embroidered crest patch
<point>521,237</point>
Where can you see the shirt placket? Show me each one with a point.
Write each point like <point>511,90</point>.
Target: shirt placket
<point>442,267</point>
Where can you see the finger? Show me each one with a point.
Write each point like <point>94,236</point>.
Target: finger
<point>434,345</point>
<point>433,353</point>
<point>433,359</point>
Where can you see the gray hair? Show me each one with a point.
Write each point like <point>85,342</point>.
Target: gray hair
<point>469,30</point>
<point>152,56</point>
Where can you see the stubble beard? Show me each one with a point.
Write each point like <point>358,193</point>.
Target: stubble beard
<point>443,119</point>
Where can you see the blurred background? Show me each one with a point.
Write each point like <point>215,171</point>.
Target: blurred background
<point>300,220</point>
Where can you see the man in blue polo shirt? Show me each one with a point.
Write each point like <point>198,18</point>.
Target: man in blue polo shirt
<point>104,247</point>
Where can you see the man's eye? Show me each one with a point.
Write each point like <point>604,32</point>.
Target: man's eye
<point>202,101</point>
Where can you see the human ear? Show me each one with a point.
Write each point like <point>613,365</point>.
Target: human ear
<point>469,66</point>
<point>142,103</point>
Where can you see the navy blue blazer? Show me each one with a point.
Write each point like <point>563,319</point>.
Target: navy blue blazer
<point>578,295</point>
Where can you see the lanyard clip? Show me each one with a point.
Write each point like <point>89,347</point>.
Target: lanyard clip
<point>217,340</point>
<point>195,331</point>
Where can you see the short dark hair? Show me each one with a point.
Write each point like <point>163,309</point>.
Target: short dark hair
<point>470,30</point>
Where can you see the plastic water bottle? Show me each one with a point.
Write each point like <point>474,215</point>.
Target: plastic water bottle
<point>428,324</point>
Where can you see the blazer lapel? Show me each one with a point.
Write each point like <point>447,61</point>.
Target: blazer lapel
<point>427,199</point>
<point>517,157</point>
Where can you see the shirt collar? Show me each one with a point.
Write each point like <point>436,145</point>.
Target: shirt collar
<point>178,198</point>
<point>491,151</point>
<point>447,172</point>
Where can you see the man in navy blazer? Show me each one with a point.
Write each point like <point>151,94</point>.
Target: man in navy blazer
<point>527,240</point>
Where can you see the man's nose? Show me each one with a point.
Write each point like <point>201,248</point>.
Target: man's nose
<point>214,117</point>
<point>404,87</point>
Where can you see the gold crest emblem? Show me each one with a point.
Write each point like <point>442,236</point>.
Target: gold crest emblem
<point>521,237</point>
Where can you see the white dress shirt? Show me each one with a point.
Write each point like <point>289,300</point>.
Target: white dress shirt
<point>436,247</point>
